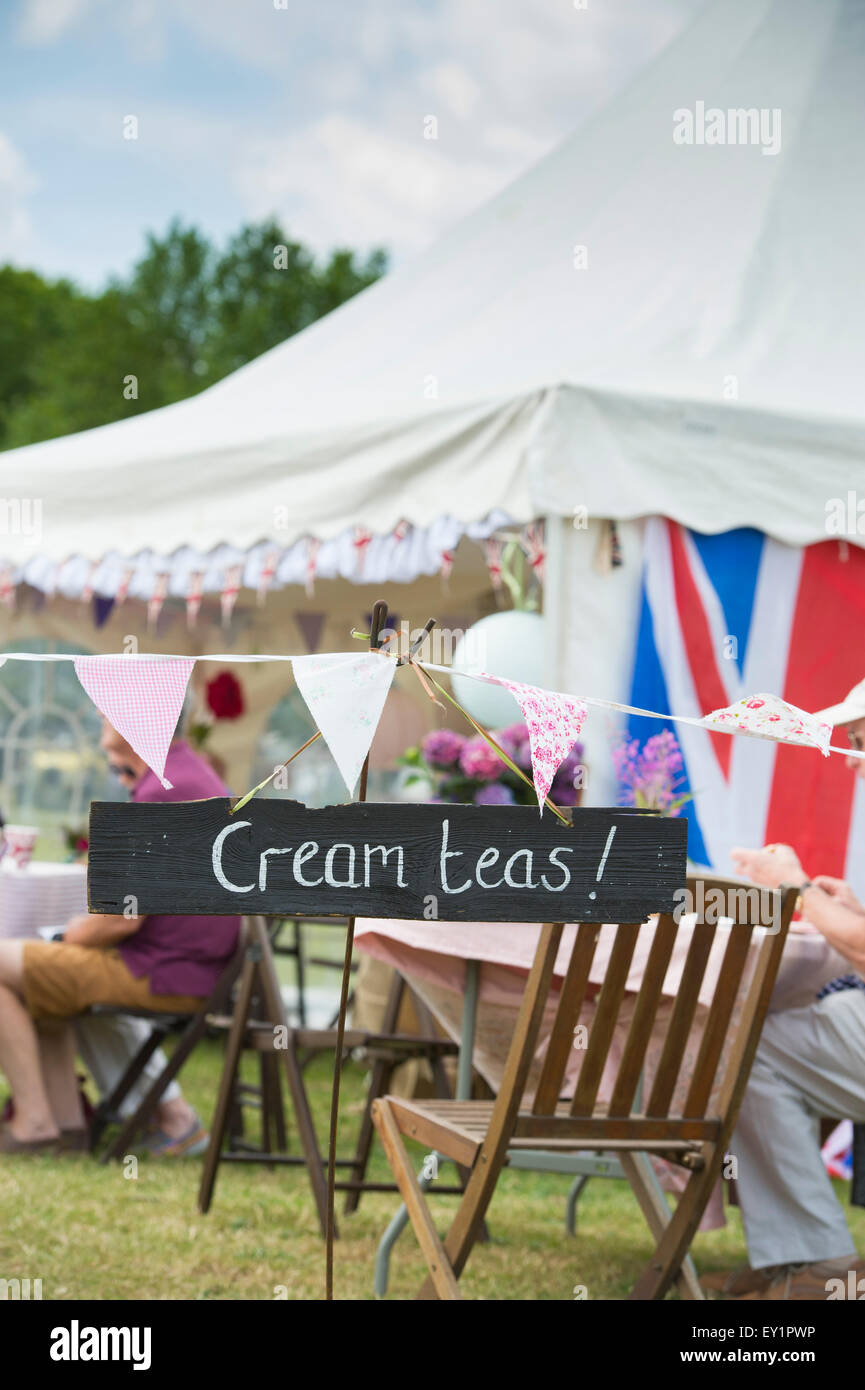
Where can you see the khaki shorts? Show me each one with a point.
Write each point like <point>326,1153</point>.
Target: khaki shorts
<point>63,980</point>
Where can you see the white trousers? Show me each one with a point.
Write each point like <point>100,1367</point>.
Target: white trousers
<point>810,1063</point>
<point>107,1043</point>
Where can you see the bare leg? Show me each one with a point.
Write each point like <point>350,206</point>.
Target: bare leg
<point>19,1061</point>
<point>57,1058</point>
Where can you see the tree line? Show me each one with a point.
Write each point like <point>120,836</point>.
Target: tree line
<point>186,315</point>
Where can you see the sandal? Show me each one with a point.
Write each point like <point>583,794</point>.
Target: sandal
<point>10,1145</point>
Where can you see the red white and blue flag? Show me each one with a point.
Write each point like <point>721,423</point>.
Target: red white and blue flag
<point>723,616</point>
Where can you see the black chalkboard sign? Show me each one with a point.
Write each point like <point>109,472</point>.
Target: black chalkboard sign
<point>447,863</point>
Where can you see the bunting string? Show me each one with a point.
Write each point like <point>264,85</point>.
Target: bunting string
<point>141,694</point>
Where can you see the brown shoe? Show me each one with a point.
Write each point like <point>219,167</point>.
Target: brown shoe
<point>737,1282</point>
<point>10,1145</point>
<point>813,1283</point>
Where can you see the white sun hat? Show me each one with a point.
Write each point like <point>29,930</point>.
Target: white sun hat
<point>851,707</point>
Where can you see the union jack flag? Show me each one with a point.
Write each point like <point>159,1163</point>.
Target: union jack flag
<point>723,616</point>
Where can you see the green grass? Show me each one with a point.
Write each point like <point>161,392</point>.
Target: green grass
<point>89,1232</point>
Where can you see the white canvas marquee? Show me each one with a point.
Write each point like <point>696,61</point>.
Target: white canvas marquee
<point>636,326</point>
<point>701,357</point>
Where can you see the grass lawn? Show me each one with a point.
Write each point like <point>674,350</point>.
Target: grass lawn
<point>90,1232</point>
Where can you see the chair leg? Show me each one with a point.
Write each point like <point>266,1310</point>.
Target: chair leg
<point>275,1011</point>
<point>111,1103</point>
<point>277,1109</point>
<point>382,1071</point>
<point>306,1131</point>
<point>265,1091</point>
<point>679,1231</point>
<point>571,1205</point>
<point>227,1084</point>
<point>658,1215</point>
<point>300,970</point>
<point>441,1271</point>
<point>188,1041</point>
<point>236,1122</point>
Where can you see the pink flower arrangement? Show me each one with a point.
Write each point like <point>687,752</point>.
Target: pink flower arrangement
<point>480,761</point>
<point>464,769</point>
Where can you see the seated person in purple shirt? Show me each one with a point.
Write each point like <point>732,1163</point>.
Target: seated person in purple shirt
<point>169,964</point>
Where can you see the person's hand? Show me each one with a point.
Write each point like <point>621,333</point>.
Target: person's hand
<point>772,866</point>
<point>840,891</point>
<point>76,927</point>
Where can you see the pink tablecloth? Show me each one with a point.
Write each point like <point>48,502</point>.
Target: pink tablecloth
<point>432,956</point>
<point>42,895</point>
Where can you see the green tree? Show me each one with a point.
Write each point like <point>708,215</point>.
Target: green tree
<point>184,317</point>
<point>267,288</point>
<point>33,314</point>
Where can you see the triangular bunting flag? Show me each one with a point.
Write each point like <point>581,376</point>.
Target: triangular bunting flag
<point>345,694</point>
<point>768,716</point>
<point>141,697</point>
<point>554,722</point>
<point>311,626</point>
<point>102,609</point>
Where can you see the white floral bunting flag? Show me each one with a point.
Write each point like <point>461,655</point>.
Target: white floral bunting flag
<point>554,722</point>
<point>141,697</point>
<point>345,694</point>
<point>768,716</point>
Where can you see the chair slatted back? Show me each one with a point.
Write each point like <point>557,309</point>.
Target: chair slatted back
<point>720,1012</point>
<point>645,1009</point>
<point>733,1017</point>
<point>681,1022</point>
<point>601,1035</point>
<point>571,1000</point>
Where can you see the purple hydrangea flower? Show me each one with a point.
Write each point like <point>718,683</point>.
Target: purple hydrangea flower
<point>563,792</point>
<point>494,794</point>
<point>515,741</point>
<point>442,747</point>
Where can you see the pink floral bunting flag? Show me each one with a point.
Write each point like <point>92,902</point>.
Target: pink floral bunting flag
<point>141,697</point>
<point>345,694</point>
<point>768,716</point>
<point>554,722</point>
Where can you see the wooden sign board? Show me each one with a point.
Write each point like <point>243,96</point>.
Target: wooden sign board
<point>445,863</point>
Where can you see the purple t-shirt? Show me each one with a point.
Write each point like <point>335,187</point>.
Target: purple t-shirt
<point>181,955</point>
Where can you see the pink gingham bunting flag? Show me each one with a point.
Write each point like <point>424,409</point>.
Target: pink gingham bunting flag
<point>554,722</point>
<point>141,697</point>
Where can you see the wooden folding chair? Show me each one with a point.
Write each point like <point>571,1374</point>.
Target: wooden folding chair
<point>190,1028</point>
<point>479,1134</point>
<point>257,1022</point>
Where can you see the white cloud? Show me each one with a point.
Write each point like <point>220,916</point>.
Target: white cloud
<point>455,88</point>
<point>341,181</point>
<point>335,146</point>
<point>44,21</point>
<point>17,182</point>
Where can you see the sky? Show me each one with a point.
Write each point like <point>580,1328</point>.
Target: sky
<point>316,111</point>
